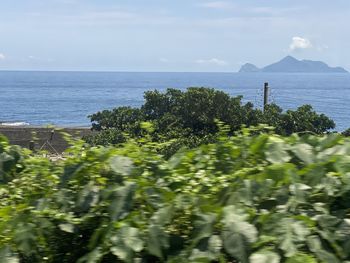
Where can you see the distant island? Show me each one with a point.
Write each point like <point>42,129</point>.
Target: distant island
<point>290,64</point>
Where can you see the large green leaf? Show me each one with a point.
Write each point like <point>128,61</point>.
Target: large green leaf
<point>69,228</point>
<point>304,152</point>
<point>264,256</point>
<point>157,241</point>
<point>276,151</point>
<point>122,165</point>
<point>316,247</point>
<point>208,251</point>
<point>203,226</point>
<point>238,233</point>
<point>25,238</point>
<point>291,234</point>
<point>121,200</point>
<point>162,216</point>
<point>93,257</point>
<point>126,242</point>
<point>6,256</point>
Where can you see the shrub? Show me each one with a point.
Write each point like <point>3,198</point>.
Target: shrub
<point>254,197</point>
<point>190,118</point>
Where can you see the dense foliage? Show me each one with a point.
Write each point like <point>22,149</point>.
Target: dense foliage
<point>188,118</point>
<point>255,197</point>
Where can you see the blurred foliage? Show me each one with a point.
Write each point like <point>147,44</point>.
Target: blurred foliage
<point>346,132</point>
<point>254,197</point>
<point>188,119</point>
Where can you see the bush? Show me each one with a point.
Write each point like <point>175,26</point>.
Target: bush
<point>346,132</point>
<point>193,115</point>
<point>255,197</point>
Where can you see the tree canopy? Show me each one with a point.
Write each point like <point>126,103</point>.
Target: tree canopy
<point>190,117</point>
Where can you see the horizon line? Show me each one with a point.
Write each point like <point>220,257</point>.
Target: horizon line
<point>110,71</point>
<point>126,71</point>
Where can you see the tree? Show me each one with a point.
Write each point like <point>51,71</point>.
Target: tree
<point>188,118</point>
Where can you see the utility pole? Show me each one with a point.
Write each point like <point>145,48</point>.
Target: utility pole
<point>266,95</point>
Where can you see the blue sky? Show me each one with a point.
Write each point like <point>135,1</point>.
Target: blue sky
<point>170,35</point>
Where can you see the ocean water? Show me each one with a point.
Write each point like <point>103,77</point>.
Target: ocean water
<point>67,98</point>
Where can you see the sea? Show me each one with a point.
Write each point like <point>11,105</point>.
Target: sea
<point>67,98</point>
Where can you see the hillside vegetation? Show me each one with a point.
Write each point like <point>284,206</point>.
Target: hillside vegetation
<point>254,197</point>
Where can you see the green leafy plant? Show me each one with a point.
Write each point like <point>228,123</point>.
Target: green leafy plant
<point>253,197</point>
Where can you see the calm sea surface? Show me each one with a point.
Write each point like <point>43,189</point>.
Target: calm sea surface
<point>67,98</point>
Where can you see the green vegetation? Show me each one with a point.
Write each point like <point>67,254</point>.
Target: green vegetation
<point>189,119</point>
<point>231,194</point>
<point>255,197</point>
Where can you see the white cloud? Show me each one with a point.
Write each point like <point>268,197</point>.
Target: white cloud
<point>300,43</point>
<point>218,5</point>
<point>2,56</point>
<point>212,61</point>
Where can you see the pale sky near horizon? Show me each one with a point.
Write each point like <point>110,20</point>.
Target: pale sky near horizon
<point>170,35</point>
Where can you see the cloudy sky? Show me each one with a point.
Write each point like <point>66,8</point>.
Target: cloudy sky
<point>170,35</point>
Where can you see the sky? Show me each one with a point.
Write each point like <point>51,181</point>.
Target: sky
<point>170,35</point>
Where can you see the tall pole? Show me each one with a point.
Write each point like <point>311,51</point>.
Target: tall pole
<point>266,95</point>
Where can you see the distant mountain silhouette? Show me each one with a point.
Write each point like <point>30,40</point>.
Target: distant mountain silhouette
<point>249,68</point>
<point>292,65</point>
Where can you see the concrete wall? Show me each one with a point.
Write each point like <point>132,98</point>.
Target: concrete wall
<point>23,136</point>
